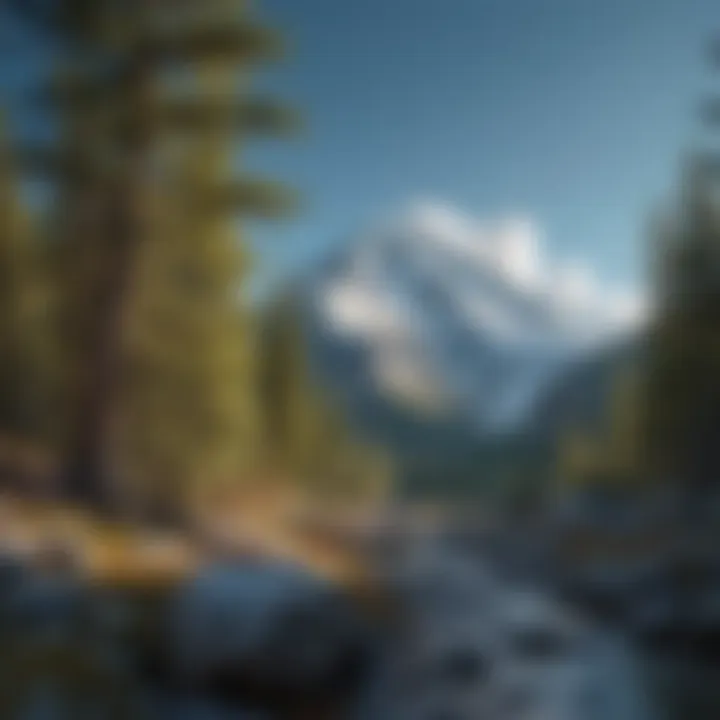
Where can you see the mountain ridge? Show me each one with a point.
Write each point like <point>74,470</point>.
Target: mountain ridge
<point>441,339</point>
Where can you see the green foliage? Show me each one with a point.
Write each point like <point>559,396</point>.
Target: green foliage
<point>154,354</point>
<point>23,295</point>
<point>663,418</point>
<point>153,340</point>
<point>626,439</point>
<point>682,393</point>
<point>304,434</point>
<point>613,457</point>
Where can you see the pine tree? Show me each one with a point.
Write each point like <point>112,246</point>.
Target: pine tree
<point>146,261</point>
<point>284,394</point>
<point>306,434</point>
<point>682,394</point>
<point>21,384</point>
<point>187,419</point>
<point>625,440</point>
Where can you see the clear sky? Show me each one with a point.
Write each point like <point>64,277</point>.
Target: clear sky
<point>571,112</point>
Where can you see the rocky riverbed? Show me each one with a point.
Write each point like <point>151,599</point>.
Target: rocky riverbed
<point>261,639</point>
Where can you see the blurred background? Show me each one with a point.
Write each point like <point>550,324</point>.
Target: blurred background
<point>360,360</point>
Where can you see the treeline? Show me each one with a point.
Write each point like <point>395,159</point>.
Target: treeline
<point>663,420</point>
<point>127,345</point>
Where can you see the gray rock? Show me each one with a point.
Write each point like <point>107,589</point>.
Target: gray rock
<point>263,631</point>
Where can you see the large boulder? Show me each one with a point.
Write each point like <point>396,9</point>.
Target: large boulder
<point>265,634</point>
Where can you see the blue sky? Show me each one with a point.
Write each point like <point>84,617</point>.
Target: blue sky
<point>571,112</point>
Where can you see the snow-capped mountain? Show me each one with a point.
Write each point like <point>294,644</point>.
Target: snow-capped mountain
<point>438,312</point>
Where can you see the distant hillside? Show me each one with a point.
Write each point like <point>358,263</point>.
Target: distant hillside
<point>446,456</point>
<point>579,398</point>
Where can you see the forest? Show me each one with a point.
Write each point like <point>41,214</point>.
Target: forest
<point>172,442</point>
<point>136,376</point>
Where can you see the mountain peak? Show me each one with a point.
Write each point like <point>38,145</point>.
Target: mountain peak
<point>474,310</point>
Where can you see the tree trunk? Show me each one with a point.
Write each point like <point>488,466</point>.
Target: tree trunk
<point>88,475</point>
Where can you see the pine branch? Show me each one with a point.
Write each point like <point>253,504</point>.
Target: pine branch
<point>710,112</point>
<point>715,52</point>
<point>235,42</point>
<point>254,115</point>
<point>262,198</point>
<point>69,20</point>
<point>74,94</point>
<point>36,161</point>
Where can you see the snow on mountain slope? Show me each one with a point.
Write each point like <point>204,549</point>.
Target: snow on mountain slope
<point>449,312</point>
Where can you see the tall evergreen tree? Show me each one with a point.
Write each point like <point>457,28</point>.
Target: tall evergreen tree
<point>682,398</point>
<point>147,266</point>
